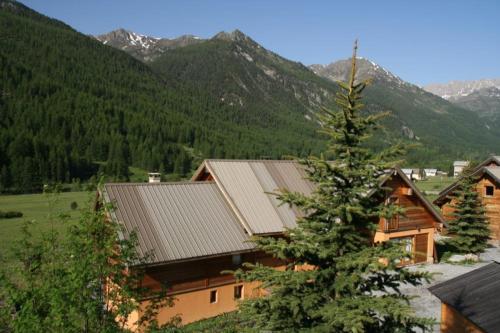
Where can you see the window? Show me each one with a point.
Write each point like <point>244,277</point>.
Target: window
<point>489,191</point>
<point>213,296</point>
<point>238,292</point>
<point>405,242</point>
<point>236,259</point>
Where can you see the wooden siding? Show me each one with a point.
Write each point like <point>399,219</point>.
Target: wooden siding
<point>491,204</point>
<point>199,274</point>
<point>421,245</point>
<point>417,216</point>
<point>453,322</point>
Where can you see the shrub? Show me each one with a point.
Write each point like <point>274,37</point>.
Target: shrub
<point>10,215</point>
<point>73,205</point>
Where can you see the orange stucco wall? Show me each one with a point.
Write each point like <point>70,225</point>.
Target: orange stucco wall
<point>195,305</point>
<point>453,322</point>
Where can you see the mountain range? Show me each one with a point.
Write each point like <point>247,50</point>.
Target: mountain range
<point>124,99</point>
<point>479,96</point>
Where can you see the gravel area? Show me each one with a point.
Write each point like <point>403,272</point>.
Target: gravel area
<point>425,304</point>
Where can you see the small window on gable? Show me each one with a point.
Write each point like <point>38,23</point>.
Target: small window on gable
<point>489,191</point>
<point>213,296</point>
<point>238,292</point>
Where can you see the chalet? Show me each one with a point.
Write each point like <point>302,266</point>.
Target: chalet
<point>430,172</point>
<point>458,167</point>
<point>470,303</point>
<point>408,173</point>
<point>487,177</point>
<point>198,229</point>
<point>416,174</point>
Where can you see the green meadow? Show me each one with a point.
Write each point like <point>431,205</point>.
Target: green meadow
<point>43,209</point>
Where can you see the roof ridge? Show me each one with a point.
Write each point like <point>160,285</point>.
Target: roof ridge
<point>243,160</point>
<point>186,182</point>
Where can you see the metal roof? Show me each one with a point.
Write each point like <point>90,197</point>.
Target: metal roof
<point>476,295</point>
<point>249,184</point>
<point>494,172</point>
<point>178,221</point>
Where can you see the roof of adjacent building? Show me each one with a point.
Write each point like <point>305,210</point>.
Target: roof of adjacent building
<point>249,186</point>
<point>185,220</point>
<point>178,221</point>
<point>256,206</point>
<point>460,163</point>
<point>476,295</point>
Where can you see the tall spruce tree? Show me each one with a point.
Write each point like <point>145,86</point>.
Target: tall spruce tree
<point>336,279</point>
<point>469,225</point>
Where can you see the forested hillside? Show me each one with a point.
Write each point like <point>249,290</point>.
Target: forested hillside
<point>68,101</point>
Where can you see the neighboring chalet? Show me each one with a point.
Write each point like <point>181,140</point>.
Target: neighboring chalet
<point>470,303</point>
<point>408,173</point>
<point>458,167</point>
<point>199,228</point>
<point>430,172</point>
<point>487,176</point>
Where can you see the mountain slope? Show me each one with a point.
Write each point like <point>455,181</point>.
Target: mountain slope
<point>480,96</point>
<point>244,75</point>
<point>443,129</point>
<point>455,89</point>
<point>67,101</point>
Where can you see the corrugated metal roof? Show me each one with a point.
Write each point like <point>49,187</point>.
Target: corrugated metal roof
<point>476,295</point>
<point>178,220</point>
<point>494,171</point>
<point>249,184</point>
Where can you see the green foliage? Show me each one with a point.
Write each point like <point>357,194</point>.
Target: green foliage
<point>230,322</point>
<point>10,214</point>
<point>68,283</point>
<point>88,102</point>
<point>354,284</point>
<point>469,225</point>
<point>73,205</point>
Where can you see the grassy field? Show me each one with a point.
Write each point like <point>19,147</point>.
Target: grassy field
<point>433,185</point>
<point>43,209</point>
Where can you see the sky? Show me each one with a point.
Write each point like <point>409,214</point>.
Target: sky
<point>424,41</point>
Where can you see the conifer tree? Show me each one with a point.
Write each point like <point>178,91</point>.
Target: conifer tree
<point>336,279</point>
<point>469,225</point>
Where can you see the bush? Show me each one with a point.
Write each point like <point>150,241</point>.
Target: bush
<point>73,205</point>
<point>10,215</point>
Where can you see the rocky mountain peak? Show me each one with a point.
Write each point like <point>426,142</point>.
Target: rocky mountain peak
<point>366,69</point>
<point>457,89</point>
<point>144,48</point>
<point>234,36</point>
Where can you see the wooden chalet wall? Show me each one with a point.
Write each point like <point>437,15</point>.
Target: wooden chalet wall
<point>418,224</point>
<point>453,322</point>
<point>417,216</point>
<point>491,204</point>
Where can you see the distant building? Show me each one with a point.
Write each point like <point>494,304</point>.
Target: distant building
<point>441,173</point>
<point>470,302</point>
<point>154,177</point>
<point>458,167</point>
<point>412,174</point>
<point>408,173</point>
<point>430,172</point>
<point>417,174</point>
